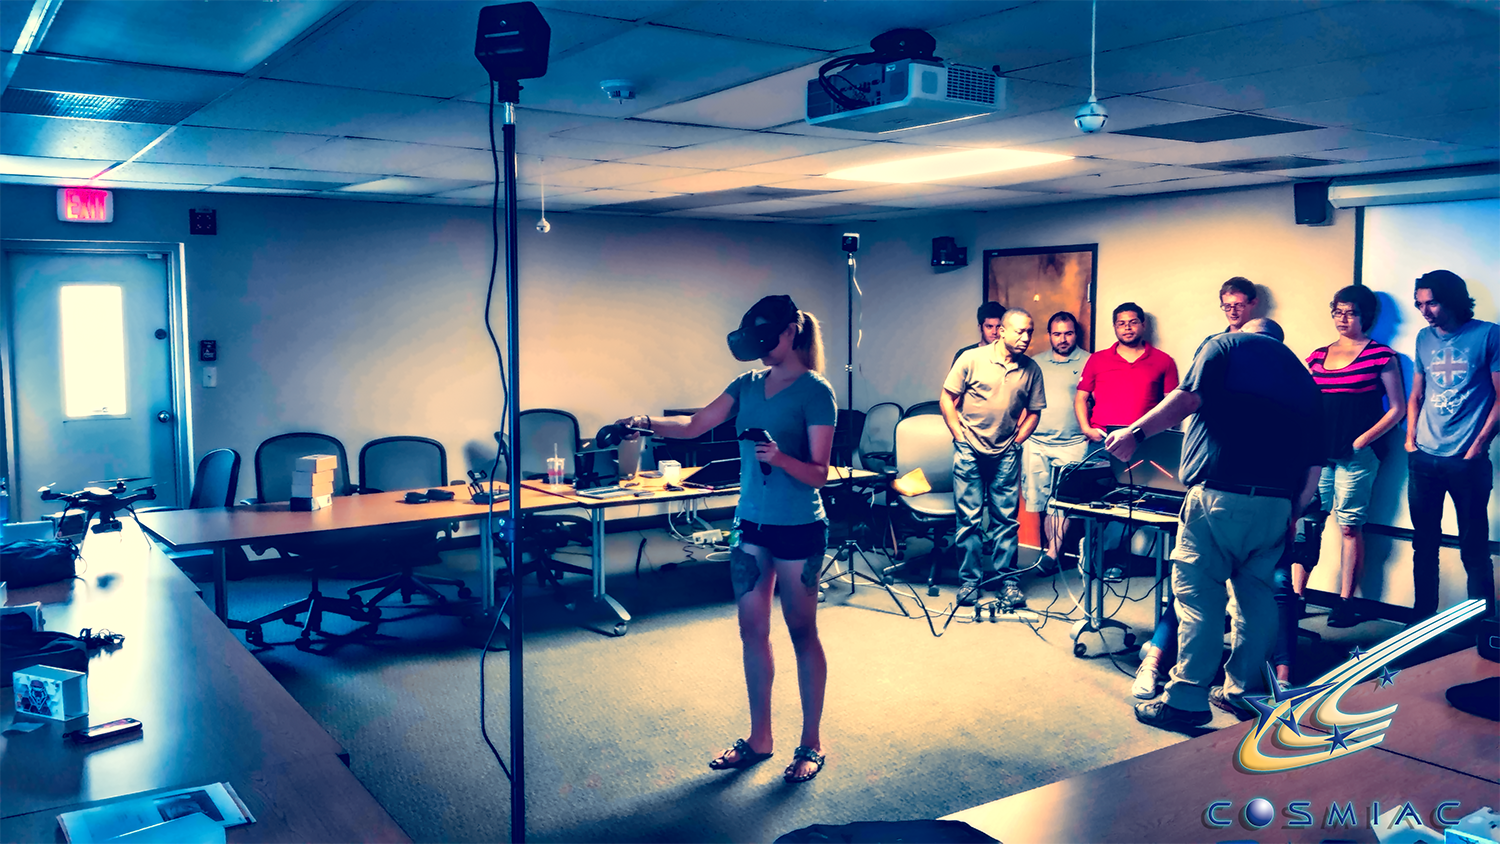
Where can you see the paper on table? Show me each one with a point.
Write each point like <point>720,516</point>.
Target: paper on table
<point>111,819</point>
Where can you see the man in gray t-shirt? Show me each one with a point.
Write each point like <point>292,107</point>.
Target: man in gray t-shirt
<point>991,401</point>
<point>1451,418</point>
<point>1058,440</point>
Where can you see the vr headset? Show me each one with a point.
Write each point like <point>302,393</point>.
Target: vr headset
<point>761,326</point>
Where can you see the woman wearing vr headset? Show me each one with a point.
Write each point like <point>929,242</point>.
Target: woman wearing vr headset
<point>785,415</point>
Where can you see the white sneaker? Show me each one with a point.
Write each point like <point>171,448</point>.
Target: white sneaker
<point>1147,679</point>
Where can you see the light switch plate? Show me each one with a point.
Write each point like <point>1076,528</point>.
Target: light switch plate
<point>210,376</point>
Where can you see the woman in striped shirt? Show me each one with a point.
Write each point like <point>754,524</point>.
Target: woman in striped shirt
<point>1354,373</point>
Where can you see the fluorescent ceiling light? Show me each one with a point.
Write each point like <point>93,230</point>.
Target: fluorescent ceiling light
<point>949,165</point>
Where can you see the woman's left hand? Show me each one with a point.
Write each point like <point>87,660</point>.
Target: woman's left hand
<point>768,453</point>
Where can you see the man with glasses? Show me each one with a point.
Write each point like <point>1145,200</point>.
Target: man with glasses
<point>1237,299</point>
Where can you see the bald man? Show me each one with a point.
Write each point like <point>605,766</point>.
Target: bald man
<point>991,400</point>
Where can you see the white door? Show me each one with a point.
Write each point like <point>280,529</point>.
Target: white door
<point>92,373</point>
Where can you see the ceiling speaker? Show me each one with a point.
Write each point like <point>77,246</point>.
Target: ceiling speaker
<point>513,41</point>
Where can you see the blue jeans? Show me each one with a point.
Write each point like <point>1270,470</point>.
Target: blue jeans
<point>980,480</point>
<point>1429,480</point>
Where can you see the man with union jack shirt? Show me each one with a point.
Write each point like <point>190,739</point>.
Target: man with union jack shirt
<point>1452,416</point>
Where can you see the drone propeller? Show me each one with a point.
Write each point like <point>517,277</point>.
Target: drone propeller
<point>118,481</point>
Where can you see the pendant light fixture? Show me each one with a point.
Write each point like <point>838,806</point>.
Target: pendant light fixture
<point>542,225</point>
<point>1091,116</point>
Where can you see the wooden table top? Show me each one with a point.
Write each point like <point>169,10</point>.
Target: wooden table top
<point>1425,725</point>
<point>216,526</point>
<point>1162,797</point>
<point>210,710</point>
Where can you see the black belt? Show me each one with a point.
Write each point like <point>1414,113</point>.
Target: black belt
<point>1247,489</point>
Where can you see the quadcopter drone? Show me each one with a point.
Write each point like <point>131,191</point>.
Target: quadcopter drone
<point>102,501</point>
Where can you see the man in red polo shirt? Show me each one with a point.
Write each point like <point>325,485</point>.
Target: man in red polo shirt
<point>1122,382</point>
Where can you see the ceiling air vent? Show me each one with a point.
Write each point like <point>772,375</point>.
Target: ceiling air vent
<point>1228,127</point>
<point>94,107</point>
<point>1263,165</point>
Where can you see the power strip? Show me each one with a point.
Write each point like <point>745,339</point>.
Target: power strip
<point>708,537</point>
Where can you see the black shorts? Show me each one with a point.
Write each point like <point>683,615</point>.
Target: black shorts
<point>787,542</point>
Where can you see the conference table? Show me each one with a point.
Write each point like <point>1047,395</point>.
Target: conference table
<point>645,490</point>
<point>210,712</point>
<point>1162,796</point>
<point>350,518</point>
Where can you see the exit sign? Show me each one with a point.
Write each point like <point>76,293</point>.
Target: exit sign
<point>85,205</point>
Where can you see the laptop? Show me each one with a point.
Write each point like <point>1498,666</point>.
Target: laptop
<point>720,474</point>
<point>1149,481</point>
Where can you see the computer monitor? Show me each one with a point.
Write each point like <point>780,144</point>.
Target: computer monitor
<point>1154,464</point>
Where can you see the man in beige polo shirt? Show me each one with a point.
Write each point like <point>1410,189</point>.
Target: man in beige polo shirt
<point>991,400</point>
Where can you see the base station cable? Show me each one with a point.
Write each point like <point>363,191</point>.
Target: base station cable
<point>484,652</point>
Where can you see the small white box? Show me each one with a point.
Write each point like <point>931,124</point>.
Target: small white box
<point>317,463</point>
<point>48,692</point>
<point>307,504</point>
<point>312,484</point>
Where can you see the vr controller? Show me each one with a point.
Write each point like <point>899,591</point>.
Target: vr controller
<point>758,435</point>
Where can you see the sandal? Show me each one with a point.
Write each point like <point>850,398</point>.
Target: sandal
<point>745,756</point>
<point>808,754</point>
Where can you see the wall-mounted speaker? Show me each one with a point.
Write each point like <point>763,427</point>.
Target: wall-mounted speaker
<point>947,253</point>
<point>1311,203</point>
<point>513,41</point>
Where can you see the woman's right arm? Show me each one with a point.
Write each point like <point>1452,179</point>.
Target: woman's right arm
<point>685,427</point>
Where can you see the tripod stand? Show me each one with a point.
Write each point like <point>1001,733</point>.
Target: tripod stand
<point>846,553</point>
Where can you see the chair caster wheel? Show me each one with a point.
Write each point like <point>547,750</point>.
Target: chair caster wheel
<point>1080,650</point>
<point>822,597</point>
<point>465,593</point>
<point>621,628</point>
<point>1129,640</point>
<point>304,644</point>
<point>933,592</point>
<point>888,580</point>
<point>370,614</point>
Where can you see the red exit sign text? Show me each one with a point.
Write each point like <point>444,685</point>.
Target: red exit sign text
<point>85,205</point>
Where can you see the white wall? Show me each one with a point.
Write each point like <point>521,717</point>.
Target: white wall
<point>1169,254</point>
<point>364,319</point>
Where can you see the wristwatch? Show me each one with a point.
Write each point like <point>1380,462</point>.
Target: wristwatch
<point>1139,434</point>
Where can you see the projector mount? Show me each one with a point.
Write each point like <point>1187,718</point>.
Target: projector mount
<point>886,47</point>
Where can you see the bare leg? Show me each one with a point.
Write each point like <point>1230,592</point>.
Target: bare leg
<point>1351,559</point>
<point>1299,578</point>
<point>754,581</point>
<point>1057,528</point>
<point>799,606</point>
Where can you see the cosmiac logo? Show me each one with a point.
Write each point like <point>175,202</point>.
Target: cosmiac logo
<point>1278,742</point>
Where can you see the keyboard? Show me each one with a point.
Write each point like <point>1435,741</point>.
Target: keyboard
<point>604,492</point>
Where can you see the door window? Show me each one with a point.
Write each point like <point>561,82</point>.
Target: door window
<point>93,350</point>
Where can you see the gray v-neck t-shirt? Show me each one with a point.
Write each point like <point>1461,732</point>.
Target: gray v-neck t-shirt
<point>778,498</point>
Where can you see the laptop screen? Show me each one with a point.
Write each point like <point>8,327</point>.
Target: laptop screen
<point>1154,464</point>
<point>716,475</point>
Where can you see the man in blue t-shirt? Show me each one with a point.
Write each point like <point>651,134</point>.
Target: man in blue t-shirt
<point>1451,419</point>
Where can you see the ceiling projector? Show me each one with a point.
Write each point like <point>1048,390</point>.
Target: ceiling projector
<point>900,85</point>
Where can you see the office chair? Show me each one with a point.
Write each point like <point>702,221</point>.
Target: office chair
<point>275,461</point>
<point>214,484</point>
<point>924,441</point>
<point>541,433</point>
<point>923,408</point>
<point>877,442</point>
<point>396,463</point>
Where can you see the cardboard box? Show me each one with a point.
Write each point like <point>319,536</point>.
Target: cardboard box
<point>312,484</point>
<point>317,463</point>
<point>316,503</point>
<point>48,692</point>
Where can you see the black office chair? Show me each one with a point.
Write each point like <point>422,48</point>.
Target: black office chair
<point>275,461</point>
<point>924,441</point>
<point>544,432</point>
<point>214,484</point>
<point>877,442</point>
<point>389,464</point>
<point>923,408</point>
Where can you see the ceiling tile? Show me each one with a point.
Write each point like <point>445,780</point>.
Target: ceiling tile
<point>767,206</point>
<point>772,101</point>
<point>438,57</point>
<point>523,192</point>
<point>625,10</point>
<point>607,196</point>
<point>823,26</point>
<point>69,168</point>
<point>704,181</point>
<point>403,186</point>
<point>817,165</point>
<point>1402,103</point>
<point>228,37</point>
<point>1299,40</point>
<point>52,73</point>
<point>1316,143</point>
<point>357,155</point>
<point>457,123</point>
<point>957,198</point>
<point>819,184</point>
<point>612,174</point>
<point>59,137</point>
<point>1042,172</point>
<point>666,65</point>
<point>744,148</point>
<point>1396,165</point>
<point>1224,180</point>
<point>480,166</point>
<point>647,132</point>
<point>311,109</point>
<point>1478,128</point>
<point>229,147</point>
<point>900,195</point>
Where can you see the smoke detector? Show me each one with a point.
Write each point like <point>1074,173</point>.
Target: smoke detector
<point>618,89</point>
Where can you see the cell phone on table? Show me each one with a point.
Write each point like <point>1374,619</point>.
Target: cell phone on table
<point>112,729</point>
